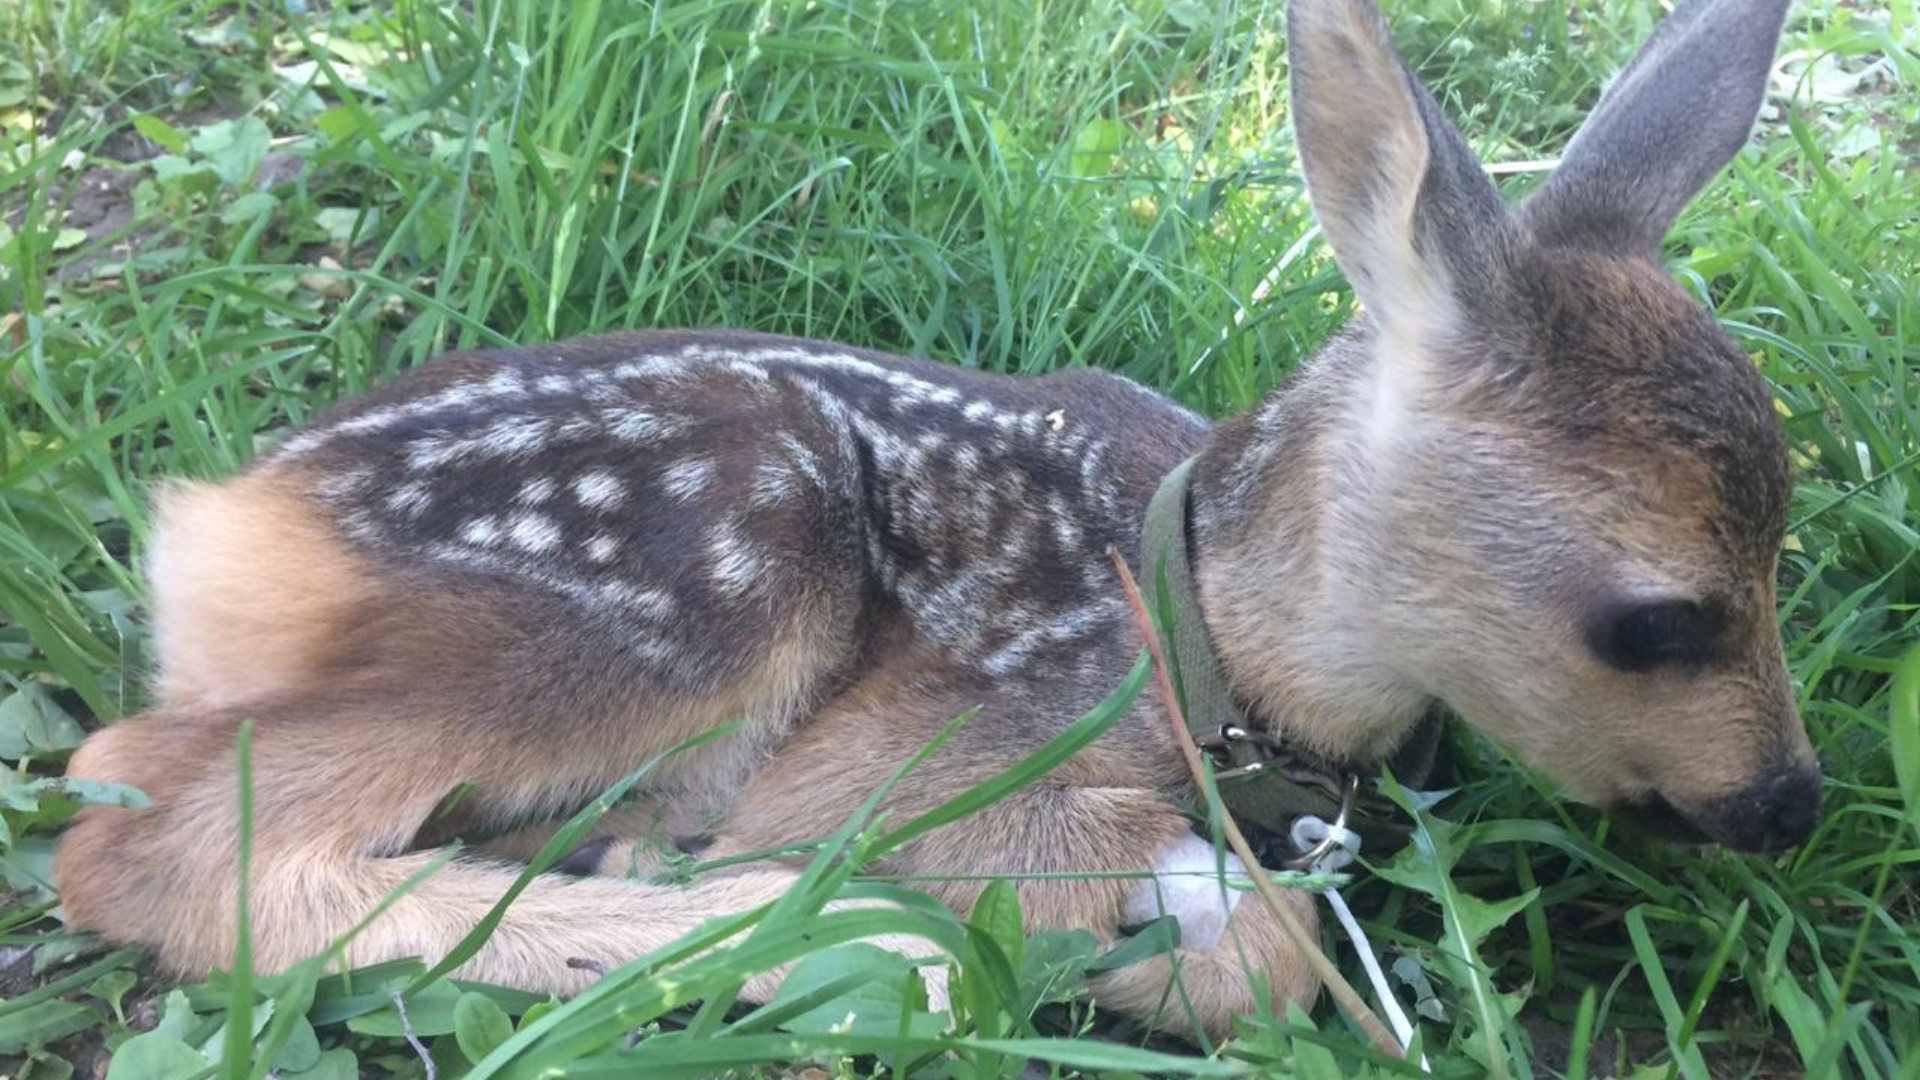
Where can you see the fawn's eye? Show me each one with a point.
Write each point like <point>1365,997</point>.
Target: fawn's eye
<point>1646,636</point>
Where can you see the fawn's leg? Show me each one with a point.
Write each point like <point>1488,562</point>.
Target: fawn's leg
<point>1099,813</point>
<point>637,840</point>
<point>334,801</point>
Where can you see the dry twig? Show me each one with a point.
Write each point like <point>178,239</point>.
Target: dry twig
<point>1342,991</point>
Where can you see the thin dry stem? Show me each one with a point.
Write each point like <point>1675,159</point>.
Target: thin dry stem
<point>1336,984</point>
<point>413,1040</point>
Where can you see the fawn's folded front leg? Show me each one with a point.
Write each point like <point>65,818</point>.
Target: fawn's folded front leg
<point>1234,957</point>
<point>1068,841</point>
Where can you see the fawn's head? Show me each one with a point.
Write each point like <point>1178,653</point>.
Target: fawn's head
<point>1573,482</point>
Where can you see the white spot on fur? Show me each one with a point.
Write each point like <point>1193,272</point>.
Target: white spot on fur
<point>602,549</point>
<point>512,436</point>
<point>536,533</point>
<point>577,428</point>
<point>433,452</point>
<point>685,480</point>
<point>554,384</point>
<point>654,603</point>
<point>773,481</point>
<point>1092,465</point>
<point>736,566</point>
<point>665,368</point>
<point>537,490</point>
<point>1187,885</point>
<point>744,367</point>
<point>481,531</point>
<point>907,386</point>
<point>599,490</point>
<point>342,485</point>
<point>629,424</point>
<point>410,498</point>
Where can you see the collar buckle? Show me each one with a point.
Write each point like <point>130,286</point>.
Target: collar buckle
<point>1228,742</point>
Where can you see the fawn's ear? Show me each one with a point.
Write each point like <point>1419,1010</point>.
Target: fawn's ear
<point>1674,117</point>
<point>1409,213</point>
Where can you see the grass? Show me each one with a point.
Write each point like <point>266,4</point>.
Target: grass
<point>216,218</point>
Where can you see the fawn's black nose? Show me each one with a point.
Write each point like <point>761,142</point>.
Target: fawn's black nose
<point>1773,814</point>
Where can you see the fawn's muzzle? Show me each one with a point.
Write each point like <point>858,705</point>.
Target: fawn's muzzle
<point>1772,814</point>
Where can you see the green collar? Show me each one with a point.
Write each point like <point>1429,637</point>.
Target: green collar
<point>1263,782</point>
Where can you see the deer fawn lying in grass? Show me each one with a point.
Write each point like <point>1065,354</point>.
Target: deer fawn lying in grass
<point>1534,481</point>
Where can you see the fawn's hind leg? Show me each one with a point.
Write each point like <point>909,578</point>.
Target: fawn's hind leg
<point>334,802</point>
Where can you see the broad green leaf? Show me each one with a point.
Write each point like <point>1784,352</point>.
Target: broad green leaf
<point>429,1011</point>
<point>301,1051</point>
<point>1190,14</point>
<point>174,168</point>
<point>873,1005</point>
<point>113,986</point>
<point>215,1046</point>
<point>1426,865</point>
<point>157,1056</point>
<point>160,132</point>
<point>339,123</point>
<point>995,936</point>
<point>997,915</point>
<point>1055,965</point>
<point>16,83</point>
<point>32,723</point>
<point>479,1025</point>
<point>1097,145</point>
<point>235,148</point>
<point>1478,917</point>
<point>336,1064</point>
<point>177,1016</point>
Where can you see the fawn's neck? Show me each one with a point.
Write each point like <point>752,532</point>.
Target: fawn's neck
<point>1282,537</point>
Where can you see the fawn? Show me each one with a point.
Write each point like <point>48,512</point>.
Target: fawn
<point>1533,480</point>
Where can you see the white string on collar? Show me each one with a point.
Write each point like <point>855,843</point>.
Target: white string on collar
<point>1309,832</point>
